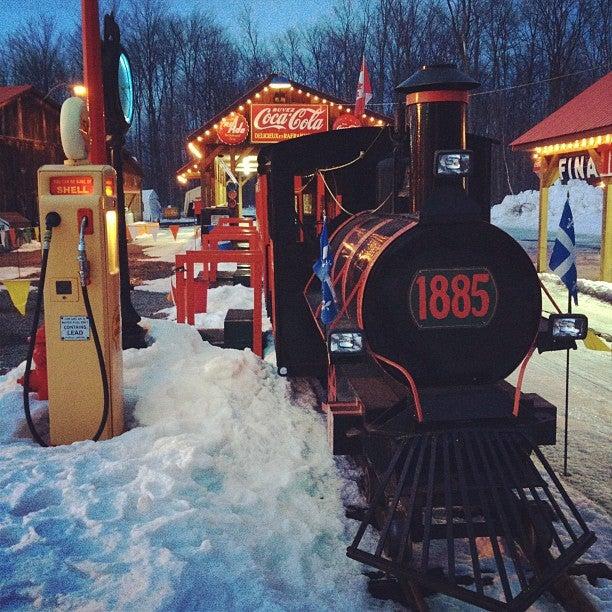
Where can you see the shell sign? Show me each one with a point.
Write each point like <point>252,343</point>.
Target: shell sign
<point>233,129</point>
<point>274,122</point>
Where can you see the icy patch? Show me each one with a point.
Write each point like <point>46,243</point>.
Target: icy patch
<point>225,497</point>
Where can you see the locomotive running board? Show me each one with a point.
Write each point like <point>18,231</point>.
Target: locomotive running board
<point>463,492</point>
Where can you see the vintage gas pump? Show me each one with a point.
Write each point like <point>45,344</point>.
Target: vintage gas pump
<point>80,284</point>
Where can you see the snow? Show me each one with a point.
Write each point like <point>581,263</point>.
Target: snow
<point>162,285</point>
<point>151,205</point>
<point>224,496</point>
<point>13,272</point>
<point>159,285</point>
<point>220,300</point>
<point>518,214</point>
<point>27,247</point>
<point>594,301</point>
<point>599,289</point>
<point>164,247</point>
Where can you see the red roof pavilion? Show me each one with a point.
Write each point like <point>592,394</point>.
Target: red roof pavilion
<point>589,113</point>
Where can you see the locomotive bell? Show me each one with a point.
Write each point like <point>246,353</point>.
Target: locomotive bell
<point>436,119</point>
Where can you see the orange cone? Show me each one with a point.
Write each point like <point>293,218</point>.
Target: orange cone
<point>174,229</point>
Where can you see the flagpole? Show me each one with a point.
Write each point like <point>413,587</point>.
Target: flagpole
<point>567,362</point>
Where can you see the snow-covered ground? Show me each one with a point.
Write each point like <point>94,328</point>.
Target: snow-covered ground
<point>223,497</point>
<point>220,300</point>
<point>164,247</point>
<point>518,214</point>
<point>14,272</point>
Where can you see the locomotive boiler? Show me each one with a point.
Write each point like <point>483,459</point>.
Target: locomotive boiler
<point>433,309</point>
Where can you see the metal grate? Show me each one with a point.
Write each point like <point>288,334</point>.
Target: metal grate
<point>473,513</point>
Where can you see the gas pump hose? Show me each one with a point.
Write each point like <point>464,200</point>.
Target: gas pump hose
<point>52,220</point>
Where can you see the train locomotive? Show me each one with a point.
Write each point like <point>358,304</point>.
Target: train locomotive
<point>434,309</point>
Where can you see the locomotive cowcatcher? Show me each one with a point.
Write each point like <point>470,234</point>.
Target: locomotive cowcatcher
<point>433,308</point>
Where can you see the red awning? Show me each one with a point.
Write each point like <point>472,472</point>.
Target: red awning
<point>588,114</point>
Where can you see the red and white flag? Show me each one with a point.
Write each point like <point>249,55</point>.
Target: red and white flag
<point>364,89</point>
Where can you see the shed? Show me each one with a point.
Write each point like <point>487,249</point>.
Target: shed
<point>575,142</point>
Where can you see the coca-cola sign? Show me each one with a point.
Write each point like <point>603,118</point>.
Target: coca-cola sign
<point>345,121</point>
<point>233,129</point>
<point>274,122</point>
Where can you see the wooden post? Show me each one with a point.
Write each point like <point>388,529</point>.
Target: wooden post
<point>549,174</point>
<point>542,260</point>
<point>606,233</point>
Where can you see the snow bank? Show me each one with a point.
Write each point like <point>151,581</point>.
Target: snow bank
<point>599,289</point>
<point>220,300</point>
<point>225,497</point>
<point>520,211</point>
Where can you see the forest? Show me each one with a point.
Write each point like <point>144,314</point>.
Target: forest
<point>530,56</point>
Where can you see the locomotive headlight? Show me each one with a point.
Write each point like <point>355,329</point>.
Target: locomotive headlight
<point>453,163</point>
<point>568,326</point>
<point>346,342</point>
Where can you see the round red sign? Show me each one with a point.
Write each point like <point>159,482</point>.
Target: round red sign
<point>346,120</point>
<point>233,129</point>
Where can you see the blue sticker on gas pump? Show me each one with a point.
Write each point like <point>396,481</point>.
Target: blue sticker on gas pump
<point>74,328</point>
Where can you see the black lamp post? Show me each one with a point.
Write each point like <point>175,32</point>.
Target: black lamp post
<point>119,110</point>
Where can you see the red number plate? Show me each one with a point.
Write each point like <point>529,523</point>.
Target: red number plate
<point>453,297</point>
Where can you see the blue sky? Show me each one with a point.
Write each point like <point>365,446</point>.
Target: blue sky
<point>270,16</point>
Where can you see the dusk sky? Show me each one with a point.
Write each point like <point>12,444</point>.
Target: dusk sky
<point>270,15</point>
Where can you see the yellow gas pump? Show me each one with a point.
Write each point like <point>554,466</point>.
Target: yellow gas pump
<point>84,197</point>
<point>79,284</point>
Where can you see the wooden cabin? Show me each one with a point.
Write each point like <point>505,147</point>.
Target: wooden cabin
<point>29,138</point>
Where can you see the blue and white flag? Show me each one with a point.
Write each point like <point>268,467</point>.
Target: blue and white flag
<point>563,257</point>
<point>322,269</point>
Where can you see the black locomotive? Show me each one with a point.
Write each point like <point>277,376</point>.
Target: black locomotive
<point>435,308</point>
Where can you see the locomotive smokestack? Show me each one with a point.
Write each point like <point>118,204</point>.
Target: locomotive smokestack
<point>436,118</point>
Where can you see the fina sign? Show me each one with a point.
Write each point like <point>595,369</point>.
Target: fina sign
<point>275,122</point>
<point>579,166</point>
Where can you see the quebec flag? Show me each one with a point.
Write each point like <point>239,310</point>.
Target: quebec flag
<point>563,257</point>
<point>322,269</point>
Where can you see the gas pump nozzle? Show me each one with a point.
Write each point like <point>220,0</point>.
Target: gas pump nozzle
<point>82,255</point>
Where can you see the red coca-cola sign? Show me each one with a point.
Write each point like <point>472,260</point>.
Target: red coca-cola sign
<point>233,129</point>
<point>274,122</point>
<point>346,120</point>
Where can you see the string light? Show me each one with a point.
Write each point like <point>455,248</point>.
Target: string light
<point>192,147</point>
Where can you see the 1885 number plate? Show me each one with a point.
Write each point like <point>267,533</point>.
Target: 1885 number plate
<point>453,297</point>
